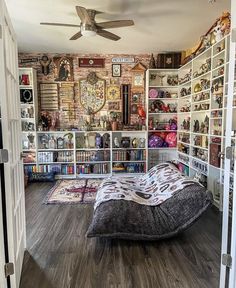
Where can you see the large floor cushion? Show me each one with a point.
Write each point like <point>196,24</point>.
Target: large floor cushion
<point>130,220</point>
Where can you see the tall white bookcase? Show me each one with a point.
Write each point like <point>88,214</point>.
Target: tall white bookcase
<point>29,114</point>
<point>202,100</point>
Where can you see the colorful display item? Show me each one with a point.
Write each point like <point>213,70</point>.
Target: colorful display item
<point>159,140</point>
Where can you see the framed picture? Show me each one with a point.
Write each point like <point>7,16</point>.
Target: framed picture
<point>116,70</point>
<point>114,105</point>
<point>113,92</point>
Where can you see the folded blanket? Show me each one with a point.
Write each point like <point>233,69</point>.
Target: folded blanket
<point>156,186</point>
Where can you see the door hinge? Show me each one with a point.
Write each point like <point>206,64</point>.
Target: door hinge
<point>227,260</point>
<point>229,153</point>
<point>0,31</point>
<point>9,269</point>
<point>234,35</point>
<point>3,156</point>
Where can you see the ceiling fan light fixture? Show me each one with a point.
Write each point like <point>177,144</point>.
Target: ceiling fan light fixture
<point>88,33</point>
<point>88,30</point>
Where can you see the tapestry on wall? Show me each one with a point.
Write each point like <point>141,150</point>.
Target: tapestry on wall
<point>63,69</point>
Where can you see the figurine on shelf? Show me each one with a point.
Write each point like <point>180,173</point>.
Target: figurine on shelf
<point>30,137</point>
<point>98,140</point>
<point>52,143</point>
<point>44,121</point>
<point>116,142</point>
<point>70,142</point>
<point>152,63</point>
<point>151,124</point>
<point>196,126</point>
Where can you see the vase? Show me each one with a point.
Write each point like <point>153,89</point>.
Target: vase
<point>114,125</point>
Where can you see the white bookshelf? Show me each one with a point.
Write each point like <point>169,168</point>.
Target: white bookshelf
<point>29,113</point>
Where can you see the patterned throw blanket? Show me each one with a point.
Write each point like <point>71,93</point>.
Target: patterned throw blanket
<point>156,186</point>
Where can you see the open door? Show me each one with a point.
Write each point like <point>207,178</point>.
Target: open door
<point>228,251</point>
<point>11,129</point>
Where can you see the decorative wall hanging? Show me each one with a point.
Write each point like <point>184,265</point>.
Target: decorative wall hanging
<point>134,109</point>
<point>49,96</point>
<point>125,90</point>
<point>63,68</point>
<point>113,92</point>
<point>29,60</point>
<point>123,60</point>
<point>116,70</point>
<point>114,105</point>
<point>45,62</point>
<point>92,93</point>
<point>67,101</point>
<point>91,62</point>
<point>138,75</point>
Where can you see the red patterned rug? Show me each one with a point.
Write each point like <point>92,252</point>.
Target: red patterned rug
<point>79,191</point>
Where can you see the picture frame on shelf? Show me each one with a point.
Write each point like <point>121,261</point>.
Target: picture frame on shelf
<point>116,70</point>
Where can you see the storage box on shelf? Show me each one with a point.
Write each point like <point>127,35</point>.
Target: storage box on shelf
<point>162,105</point>
<point>129,152</point>
<point>29,116</point>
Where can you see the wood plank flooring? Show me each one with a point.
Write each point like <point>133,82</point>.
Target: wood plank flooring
<point>60,256</point>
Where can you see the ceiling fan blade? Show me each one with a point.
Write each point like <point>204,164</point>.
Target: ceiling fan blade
<point>108,35</point>
<point>76,36</point>
<point>115,24</point>
<point>59,24</point>
<point>83,15</point>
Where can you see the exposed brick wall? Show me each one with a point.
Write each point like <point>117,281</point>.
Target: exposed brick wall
<point>80,73</point>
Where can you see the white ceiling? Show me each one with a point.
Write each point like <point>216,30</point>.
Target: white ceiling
<point>160,25</point>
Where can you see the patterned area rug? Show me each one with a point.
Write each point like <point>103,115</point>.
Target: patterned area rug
<point>80,191</point>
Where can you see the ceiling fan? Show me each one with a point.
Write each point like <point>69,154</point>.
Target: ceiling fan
<point>89,27</point>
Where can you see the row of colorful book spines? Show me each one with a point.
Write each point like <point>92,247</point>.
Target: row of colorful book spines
<point>84,159</point>
<point>133,167</point>
<point>59,169</point>
<point>128,158</point>
<point>93,169</point>
<point>133,155</point>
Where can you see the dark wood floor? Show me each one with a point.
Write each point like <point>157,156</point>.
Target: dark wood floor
<point>60,256</point>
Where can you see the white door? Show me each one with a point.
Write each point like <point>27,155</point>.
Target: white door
<point>228,249</point>
<point>10,112</point>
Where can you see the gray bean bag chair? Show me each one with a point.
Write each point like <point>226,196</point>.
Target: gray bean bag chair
<point>130,220</point>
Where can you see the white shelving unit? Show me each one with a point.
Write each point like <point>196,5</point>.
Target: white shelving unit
<point>202,102</point>
<point>162,107</point>
<point>29,114</point>
<point>79,154</point>
<point>199,151</point>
